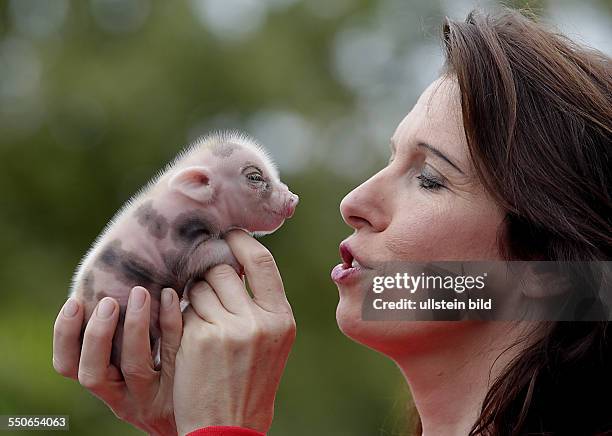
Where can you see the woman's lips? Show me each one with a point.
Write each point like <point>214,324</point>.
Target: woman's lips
<point>349,269</point>
<point>342,275</point>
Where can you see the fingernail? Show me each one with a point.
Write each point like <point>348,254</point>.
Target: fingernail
<point>70,308</point>
<point>137,298</point>
<point>166,297</point>
<point>105,308</point>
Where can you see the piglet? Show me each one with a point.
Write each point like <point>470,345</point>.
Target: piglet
<point>171,232</point>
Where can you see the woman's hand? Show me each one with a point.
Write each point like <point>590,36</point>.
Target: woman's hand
<point>142,396</point>
<point>234,347</point>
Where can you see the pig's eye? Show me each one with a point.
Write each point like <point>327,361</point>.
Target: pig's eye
<point>255,177</point>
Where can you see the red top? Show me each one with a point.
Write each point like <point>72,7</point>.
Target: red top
<point>222,430</point>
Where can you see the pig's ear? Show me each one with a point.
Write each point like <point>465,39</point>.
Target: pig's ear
<point>194,182</point>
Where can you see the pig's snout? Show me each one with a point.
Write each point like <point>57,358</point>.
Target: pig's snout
<point>290,205</point>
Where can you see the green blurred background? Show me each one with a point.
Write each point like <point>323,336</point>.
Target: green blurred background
<point>96,96</point>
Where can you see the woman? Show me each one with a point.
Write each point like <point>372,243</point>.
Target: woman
<point>506,156</point>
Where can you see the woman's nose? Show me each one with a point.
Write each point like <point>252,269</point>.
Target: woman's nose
<point>363,206</point>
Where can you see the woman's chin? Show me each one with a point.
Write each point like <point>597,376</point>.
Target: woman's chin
<point>373,334</point>
<point>396,337</point>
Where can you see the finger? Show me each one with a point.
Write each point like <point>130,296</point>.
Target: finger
<point>229,288</point>
<point>136,363</point>
<point>171,323</point>
<point>95,372</point>
<point>193,328</point>
<point>192,321</point>
<point>190,316</point>
<point>261,271</point>
<point>206,304</point>
<point>67,339</point>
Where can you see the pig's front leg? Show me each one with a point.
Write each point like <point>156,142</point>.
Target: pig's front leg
<point>210,253</point>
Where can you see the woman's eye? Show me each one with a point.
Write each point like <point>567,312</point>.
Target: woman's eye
<point>255,177</point>
<point>429,181</point>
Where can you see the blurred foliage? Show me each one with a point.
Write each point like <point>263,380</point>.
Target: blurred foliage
<point>109,111</point>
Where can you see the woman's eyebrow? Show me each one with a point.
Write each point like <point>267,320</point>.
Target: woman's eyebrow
<point>441,155</point>
<point>431,148</point>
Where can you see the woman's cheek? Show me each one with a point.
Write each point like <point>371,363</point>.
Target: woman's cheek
<point>419,236</point>
<point>445,231</point>
<point>476,231</point>
<point>444,239</point>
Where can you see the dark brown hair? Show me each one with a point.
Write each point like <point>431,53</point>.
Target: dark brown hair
<point>537,113</point>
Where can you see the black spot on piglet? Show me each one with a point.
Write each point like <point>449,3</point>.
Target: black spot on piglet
<point>128,268</point>
<point>190,227</point>
<point>155,223</point>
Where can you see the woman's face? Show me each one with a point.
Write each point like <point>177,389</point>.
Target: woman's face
<point>425,205</point>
